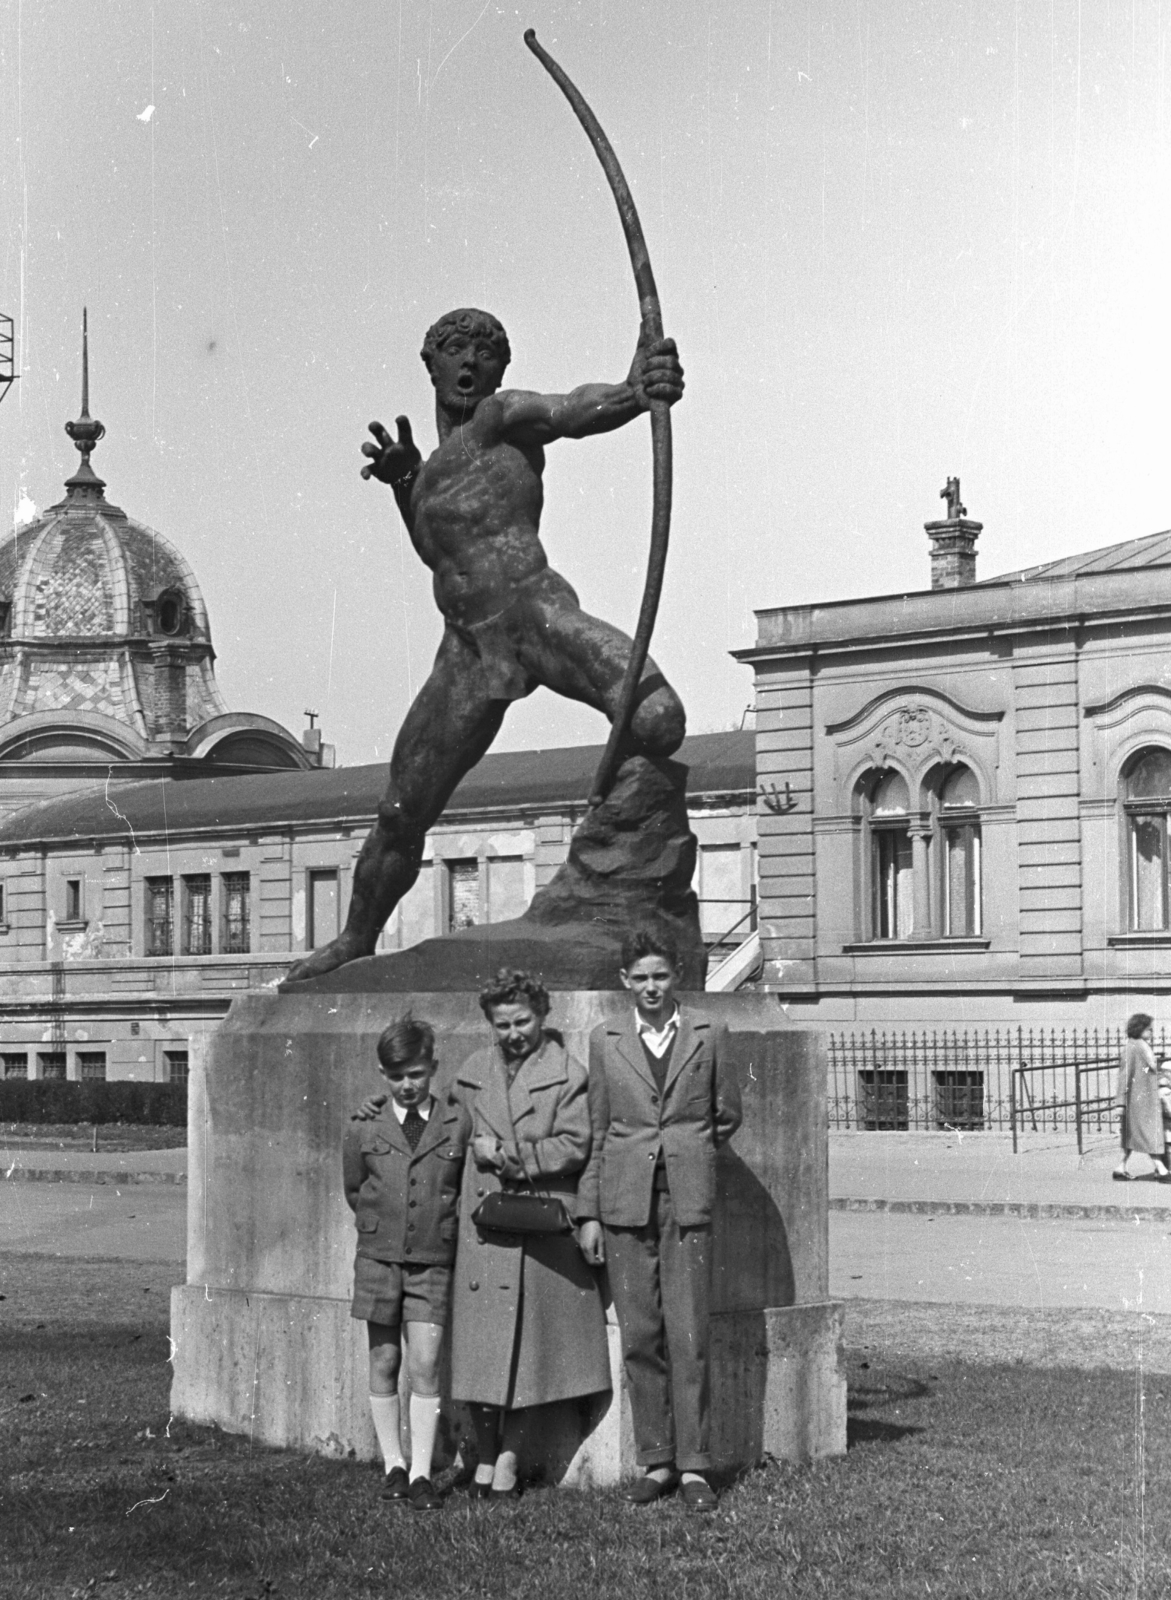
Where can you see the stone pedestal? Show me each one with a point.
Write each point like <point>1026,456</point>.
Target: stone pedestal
<point>264,1343</point>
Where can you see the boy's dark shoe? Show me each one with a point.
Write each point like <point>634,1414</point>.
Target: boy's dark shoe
<point>645,1491</point>
<point>395,1484</point>
<point>423,1496</point>
<point>698,1495</point>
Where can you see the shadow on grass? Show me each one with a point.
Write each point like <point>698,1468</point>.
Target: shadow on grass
<point>865,1397</point>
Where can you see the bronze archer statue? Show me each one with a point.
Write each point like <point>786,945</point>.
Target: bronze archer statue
<point>512,624</point>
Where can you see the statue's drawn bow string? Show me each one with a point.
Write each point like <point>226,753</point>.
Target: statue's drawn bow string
<point>652,329</point>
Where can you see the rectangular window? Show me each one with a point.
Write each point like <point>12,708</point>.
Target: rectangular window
<point>463,894</point>
<point>723,906</point>
<point>160,917</point>
<point>237,935</point>
<point>197,915</point>
<point>883,1098</point>
<point>416,910</point>
<point>15,1064</point>
<point>959,1099</point>
<point>51,1063</point>
<point>506,888</point>
<point>3,905</point>
<point>323,907</point>
<point>961,881</point>
<point>1148,873</point>
<point>91,1066</point>
<point>175,1062</point>
<point>73,899</point>
<point>894,905</point>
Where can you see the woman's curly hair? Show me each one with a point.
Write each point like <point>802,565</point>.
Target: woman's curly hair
<point>512,988</point>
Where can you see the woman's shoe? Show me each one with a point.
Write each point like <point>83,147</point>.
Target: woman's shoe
<point>479,1491</point>
<point>1120,1175</point>
<point>499,1496</point>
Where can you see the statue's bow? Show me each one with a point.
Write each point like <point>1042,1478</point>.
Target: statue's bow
<point>652,329</point>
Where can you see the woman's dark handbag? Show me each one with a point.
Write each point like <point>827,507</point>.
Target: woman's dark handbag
<point>509,1212</point>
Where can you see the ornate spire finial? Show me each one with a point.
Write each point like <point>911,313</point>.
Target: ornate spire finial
<point>85,432</point>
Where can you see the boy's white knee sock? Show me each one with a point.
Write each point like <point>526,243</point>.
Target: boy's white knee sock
<point>424,1423</point>
<point>385,1411</point>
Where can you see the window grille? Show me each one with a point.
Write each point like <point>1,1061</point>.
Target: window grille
<point>197,916</point>
<point>15,1065</point>
<point>91,1066</point>
<point>884,1098</point>
<point>237,933</point>
<point>175,1062</point>
<point>959,1099</point>
<point>160,917</point>
<point>52,1064</point>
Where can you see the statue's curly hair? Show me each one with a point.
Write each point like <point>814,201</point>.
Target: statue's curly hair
<point>478,324</point>
<point>512,988</point>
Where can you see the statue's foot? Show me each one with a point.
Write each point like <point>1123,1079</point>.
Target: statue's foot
<point>335,954</point>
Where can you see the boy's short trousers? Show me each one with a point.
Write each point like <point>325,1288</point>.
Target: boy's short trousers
<point>391,1292</point>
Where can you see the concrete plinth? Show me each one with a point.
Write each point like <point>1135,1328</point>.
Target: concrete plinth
<point>264,1343</point>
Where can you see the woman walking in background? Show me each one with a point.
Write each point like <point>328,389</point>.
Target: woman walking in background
<point>1138,1095</point>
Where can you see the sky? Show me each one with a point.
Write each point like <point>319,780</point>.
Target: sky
<point>895,242</point>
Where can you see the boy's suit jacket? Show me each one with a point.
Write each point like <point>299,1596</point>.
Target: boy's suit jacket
<point>698,1110</point>
<point>405,1201</point>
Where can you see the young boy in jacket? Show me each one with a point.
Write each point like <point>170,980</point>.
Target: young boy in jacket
<point>401,1170</point>
<point>663,1097</point>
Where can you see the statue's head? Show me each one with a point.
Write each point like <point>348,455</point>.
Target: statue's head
<point>472,324</point>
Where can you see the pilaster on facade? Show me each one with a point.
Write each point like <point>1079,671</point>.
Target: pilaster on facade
<point>1049,845</point>
<point>785,804</point>
<point>275,909</point>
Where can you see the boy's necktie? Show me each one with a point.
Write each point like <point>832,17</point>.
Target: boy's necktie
<point>413,1126</point>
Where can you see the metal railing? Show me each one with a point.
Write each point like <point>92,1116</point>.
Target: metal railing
<point>1036,1079</point>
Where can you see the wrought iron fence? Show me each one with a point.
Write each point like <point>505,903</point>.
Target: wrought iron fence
<point>1039,1079</point>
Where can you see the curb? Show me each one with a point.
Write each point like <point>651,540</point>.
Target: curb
<point>1008,1208</point>
<point>100,1175</point>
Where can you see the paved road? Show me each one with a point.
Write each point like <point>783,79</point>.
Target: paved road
<point>1003,1261</point>
<point>146,1222</point>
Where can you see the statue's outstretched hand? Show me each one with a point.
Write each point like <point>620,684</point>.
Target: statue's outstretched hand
<point>657,373</point>
<point>393,461</point>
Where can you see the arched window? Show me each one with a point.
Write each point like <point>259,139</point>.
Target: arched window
<point>1147,805</point>
<point>959,856</point>
<point>891,869</point>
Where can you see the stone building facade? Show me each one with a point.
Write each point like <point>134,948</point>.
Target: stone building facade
<point>126,928</point>
<point>966,794</point>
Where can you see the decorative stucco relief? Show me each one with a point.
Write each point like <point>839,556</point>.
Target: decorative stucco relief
<point>915,730</point>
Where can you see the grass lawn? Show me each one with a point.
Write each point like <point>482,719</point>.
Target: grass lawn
<point>963,1478</point>
<point>111,1136</point>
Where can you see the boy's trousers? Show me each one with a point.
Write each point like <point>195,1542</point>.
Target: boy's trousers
<point>660,1277</point>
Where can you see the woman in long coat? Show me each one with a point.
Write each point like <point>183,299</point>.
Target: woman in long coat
<point>528,1326</point>
<point>1138,1095</point>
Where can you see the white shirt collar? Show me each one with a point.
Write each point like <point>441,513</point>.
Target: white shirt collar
<point>657,1039</point>
<point>424,1110</point>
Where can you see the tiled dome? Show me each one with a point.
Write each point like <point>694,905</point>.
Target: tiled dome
<point>101,623</point>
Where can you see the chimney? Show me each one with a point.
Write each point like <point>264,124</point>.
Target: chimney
<point>953,542</point>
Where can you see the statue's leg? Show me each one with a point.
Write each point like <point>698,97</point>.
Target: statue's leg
<point>585,659</point>
<point>448,728</point>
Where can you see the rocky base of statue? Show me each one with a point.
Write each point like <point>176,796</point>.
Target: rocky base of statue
<point>630,864</point>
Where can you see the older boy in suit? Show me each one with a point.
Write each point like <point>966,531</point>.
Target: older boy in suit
<point>663,1097</point>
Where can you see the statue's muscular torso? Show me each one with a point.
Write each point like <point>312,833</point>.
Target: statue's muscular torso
<point>475,516</point>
